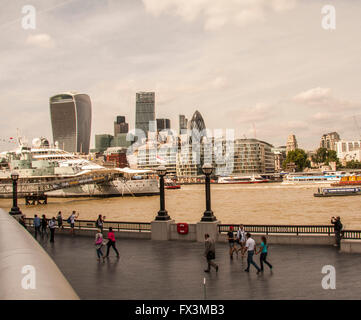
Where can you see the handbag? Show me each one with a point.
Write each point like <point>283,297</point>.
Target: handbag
<point>211,255</point>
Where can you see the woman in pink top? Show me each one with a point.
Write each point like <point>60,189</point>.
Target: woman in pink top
<point>111,242</point>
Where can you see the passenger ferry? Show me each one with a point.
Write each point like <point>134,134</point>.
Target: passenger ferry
<point>242,180</point>
<point>337,192</point>
<point>171,184</point>
<point>326,177</point>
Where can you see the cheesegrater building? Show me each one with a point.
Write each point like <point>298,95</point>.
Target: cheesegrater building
<point>71,115</point>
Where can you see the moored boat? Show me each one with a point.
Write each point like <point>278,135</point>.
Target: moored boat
<point>242,180</point>
<point>336,192</point>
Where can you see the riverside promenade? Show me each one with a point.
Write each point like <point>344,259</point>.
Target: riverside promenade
<point>149,269</point>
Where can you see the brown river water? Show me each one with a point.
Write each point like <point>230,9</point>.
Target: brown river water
<point>248,204</point>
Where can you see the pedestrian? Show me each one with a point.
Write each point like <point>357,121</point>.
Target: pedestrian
<point>210,253</point>
<point>231,242</point>
<point>71,221</point>
<point>250,247</point>
<point>100,222</point>
<point>241,239</point>
<point>52,226</point>
<point>37,224</point>
<point>264,250</point>
<point>44,224</point>
<point>111,242</point>
<point>337,226</point>
<point>59,218</point>
<point>99,244</point>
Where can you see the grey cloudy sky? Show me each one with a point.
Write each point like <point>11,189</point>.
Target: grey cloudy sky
<point>266,65</point>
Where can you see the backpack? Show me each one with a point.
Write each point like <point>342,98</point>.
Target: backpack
<point>68,220</point>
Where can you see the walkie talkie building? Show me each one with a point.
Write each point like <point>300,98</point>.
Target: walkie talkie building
<point>71,115</point>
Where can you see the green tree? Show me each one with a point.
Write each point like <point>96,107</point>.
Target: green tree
<point>353,164</point>
<point>299,158</point>
<point>324,156</point>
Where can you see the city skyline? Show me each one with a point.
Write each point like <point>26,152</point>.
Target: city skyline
<point>267,74</point>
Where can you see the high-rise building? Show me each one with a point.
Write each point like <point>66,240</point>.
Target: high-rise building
<point>71,115</point>
<point>329,140</point>
<point>120,126</point>
<point>183,123</point>
<point>144,111</point>
<point>163,124</point>
<point>291,144</point>
<point>197,122</point>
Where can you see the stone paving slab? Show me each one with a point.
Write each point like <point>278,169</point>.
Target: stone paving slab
<point>174,270</point>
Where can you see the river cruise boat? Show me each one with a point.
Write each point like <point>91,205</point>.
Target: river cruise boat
<point>337,192</point>
<point>352,180</point>
<point>42,164</point>
<point>242,180</point>
<point>313,178</point>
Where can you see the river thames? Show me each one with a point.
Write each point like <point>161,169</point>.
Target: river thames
<point>271,203</point>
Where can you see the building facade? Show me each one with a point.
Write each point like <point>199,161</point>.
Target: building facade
<point>291,144</point>
<point>183,123</point>
<point>120,126</point>
<point>329,141</point>
<point>348,151</point>
<point>145,111</point>
<point>71,116</point>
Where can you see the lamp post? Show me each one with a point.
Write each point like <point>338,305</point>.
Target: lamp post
<point>208,214</point>
<point>162,213</point>
<point>15,209</point>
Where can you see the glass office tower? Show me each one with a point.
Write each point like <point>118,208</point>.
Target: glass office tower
<point>145,110</point>
<point>71,115</point>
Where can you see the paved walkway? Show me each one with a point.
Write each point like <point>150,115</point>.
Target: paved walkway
<point>174,270</point>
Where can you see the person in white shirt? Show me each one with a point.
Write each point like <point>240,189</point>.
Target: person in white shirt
<point>250,247</point>
<point>52,226</point>
<point>71,220</point>
<point>241,239</point>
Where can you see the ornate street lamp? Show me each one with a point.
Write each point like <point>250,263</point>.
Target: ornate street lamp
<point>15,209</point>
<point>162,213</point>
<point>208,214</point>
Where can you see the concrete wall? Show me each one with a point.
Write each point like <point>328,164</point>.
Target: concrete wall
<point>23,262</point>
<point>191,236</point>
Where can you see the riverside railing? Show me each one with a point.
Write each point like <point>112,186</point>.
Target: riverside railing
<point>292,229</point>
<point>91,224</point>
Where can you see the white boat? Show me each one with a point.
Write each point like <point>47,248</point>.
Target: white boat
<point>241,180</point>
<point>313,178</point>
<point>45,162</point>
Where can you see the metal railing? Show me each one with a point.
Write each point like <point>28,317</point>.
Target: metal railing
<point>351,234</point>
<point>91,225</point>
<point>289,229</point>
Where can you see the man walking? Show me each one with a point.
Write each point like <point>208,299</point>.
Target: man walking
<point>37,224</point>
<point>250,247</point>
<point>44,224</point>
<point>241,238</point>
<point>71,220</point>
<point>337,225</point>
<point>52,226</point>
<point>210,253</point>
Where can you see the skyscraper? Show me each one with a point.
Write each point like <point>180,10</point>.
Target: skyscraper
<point>71,115</point>
<point>145,110</point>
<point>183,122</point>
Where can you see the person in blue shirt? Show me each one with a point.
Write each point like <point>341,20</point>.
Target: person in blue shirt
<point>264,250</point>
<point>37,224</point>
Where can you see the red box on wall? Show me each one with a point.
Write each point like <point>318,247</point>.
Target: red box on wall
<point>182,228</point>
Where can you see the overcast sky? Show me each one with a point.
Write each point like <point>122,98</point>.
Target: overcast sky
<point>265,68</point>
